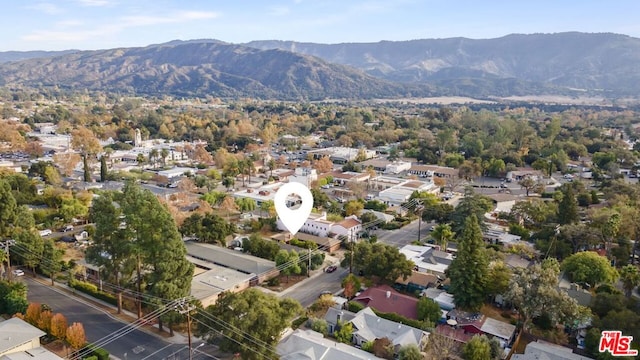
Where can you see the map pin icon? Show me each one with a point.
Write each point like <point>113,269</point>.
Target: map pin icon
<point>293,219</point>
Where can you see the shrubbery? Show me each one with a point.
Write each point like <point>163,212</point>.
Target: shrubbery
<point>92,290</point>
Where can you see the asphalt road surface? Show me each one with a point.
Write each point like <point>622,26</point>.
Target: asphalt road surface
<point>406,234</point>
<point>98,324</point>
<point>308,291</point>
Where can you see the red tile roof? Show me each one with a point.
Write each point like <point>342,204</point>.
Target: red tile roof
<point>349,223</point>
<point>376,298</point>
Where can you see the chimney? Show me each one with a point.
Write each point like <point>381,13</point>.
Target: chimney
<point>388,294</point>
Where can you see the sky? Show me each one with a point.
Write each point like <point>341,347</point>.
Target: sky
<point>104,24</point>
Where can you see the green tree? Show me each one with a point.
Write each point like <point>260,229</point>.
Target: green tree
<point>213,197</point>
<point>428,310</point>
<point>568,207</point>
<point>499,277</point>
<point>469,271</point>
<point>246,204</point>
<point>471,204</point>
<point>288,262</point>
<point>228,182</point>
<point>264,316</point>
<point>630,277</point>
<point>378,259</point>
<point>478,348</point>
<point>442,234</point>
<point>353,207</point>
<point>257,246</point>
<point>208,228</point>
<point>590,268</point>
<point>30,245</point>
<point>51,260</point>
<point>409,352</point>
<point>103,169</point>
<point>528,184</point>
<point>344,334</point>
<point>8,209</point>
<point>534,292</point>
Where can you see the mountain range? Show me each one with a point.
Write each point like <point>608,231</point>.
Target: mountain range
<point>564,63</point>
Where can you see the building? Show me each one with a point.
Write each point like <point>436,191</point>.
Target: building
<point>538,350</point>
<point>311,345</point>
<point>260,269</point>
<point>211,280</point>
<point>343,178</point>
<point>304,176</point>
<point>428,258</point>
<point>433,170</point>
<point>341,155</point>
<point>318,225</point>
<point>418,281</point>
<point>400,193</point>
<point>367,327</point>
<point>348,229</point>
<point>21,340</point>
<point>443,298</point>
<point>477,323</point>
<point>397,167</point>
<point>385,299</point>
<point>497,235</point>
<point>522,173</point>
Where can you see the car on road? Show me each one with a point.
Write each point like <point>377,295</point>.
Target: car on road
<point>326,292</point>
<point>17,272</point>
<point>331,269</point>
<point>67,228</point>
<point>46,232</point>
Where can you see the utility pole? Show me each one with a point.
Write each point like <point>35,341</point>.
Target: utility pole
<point>5,245</point>
<point>309,264</point>
<point>185,309</point>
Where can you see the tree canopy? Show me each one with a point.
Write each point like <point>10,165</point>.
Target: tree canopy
<point>588,267</point>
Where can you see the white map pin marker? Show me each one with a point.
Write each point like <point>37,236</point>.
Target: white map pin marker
<point>293,219</point>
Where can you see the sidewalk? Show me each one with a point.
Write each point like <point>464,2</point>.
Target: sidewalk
<point>314,273</point>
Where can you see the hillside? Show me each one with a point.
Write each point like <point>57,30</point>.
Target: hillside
<point>607,63</point>
<point>198,68</point>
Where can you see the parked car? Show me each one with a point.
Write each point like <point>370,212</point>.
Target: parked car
<point>67,228</point>
<point>46,232</point>
<point>17,272</point>
<point>331,269</point>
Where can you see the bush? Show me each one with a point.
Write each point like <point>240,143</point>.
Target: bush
<point>92,290</point>
<point>355,306</point>
<point>517,229</point>
<point>299,321</point>
<point>97,353</point>
<point>92,357</point>
<point>303,244</point>
<point>424,325</point>
<point>273,281</point>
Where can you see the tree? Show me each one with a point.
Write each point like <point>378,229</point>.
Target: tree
<point>590,268</point>
<point>32,316</point>
<point>67,162</point>
<point>382,348</point>
<point>442,234</point>
<point>528,183</point>
<point>471,204</point>
<point>378,259</point>
<point>478,348</point>
<point>45,321</point>
<point>31,247</point>
<point>86,143</point>
<point>268,207</point>
<point>59,326</point>
<point>428,310</point>
<point>228,182</point>
<point>246,204</point>
<point>103,169</point>
<point>351,285</point>
<point>409,352</point>
<point>469,271</point>
<point>344,334</point>
<point>534,291</point>
<point>52,176</point>
<point>630,277</point>
<point>8,209</point>
<point>252,311</point>
<point>288,262</point>
<point>568,207</point>
<point>498,278</point>
<point>208,228</point>
<point>75,336</point>
<point>353,207</point>
<point>51,260</point>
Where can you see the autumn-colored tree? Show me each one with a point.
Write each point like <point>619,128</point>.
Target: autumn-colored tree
<point>86,143</point>
<point>202,155</point>
<point>32,316</point>
<point>75,336</point>
<point>323,165</point>
<point>228,205</point>
<point>383,348</point>
<point>44,323</point>
<point>59,326</point>
<point>66,162</point>
<point>351,286</point>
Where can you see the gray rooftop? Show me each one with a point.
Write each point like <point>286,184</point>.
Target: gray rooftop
<point>541,350</point>
<point>38,353</point>
<point>310,345</point>
<point>229,258</point>
<point>15,332</point>
<point>497,328</point>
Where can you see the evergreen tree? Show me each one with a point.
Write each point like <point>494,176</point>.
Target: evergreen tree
<point>8,209</point>
<point>103,169</point>
<point>87,170</point>
<point>472,204</point>
<point>51,260</point>
<point>568,207</point>
<point>469,271</point>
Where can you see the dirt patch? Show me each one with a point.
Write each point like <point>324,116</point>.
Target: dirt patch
<point>71,252</point>
<point>285,282</point>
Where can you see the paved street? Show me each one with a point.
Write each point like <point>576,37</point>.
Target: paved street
<point>308,291</point>
<point>98,324</point>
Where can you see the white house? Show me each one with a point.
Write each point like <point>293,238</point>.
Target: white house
<point>311,345</point>
<point>428,258</point>
<point>397,167</point>
<point>304,176</point>
<point>21,340</point>
<point>348,228</point>
<point>400,193</point>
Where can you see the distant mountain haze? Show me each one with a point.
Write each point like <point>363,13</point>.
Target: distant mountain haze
<point>564,63</point>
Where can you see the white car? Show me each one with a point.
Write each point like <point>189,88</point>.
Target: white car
<point>17,272</point>
<point>46,232</point>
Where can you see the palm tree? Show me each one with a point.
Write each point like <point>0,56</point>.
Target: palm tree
<point>140,160</point>
<point>242,167</point>
<point>271,164</point>
<point>250,167</point>
<point>153,157</point>
<point>164,153</point>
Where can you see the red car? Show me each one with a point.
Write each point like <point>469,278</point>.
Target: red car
<point>331,269</point>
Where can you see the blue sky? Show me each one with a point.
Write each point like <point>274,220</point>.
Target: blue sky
<point>102,24</point>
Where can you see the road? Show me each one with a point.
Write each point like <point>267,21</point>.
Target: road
<point>406,234</point>
<point>98,324</point>
<point>308,291</point>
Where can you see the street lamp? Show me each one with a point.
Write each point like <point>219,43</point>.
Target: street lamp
<point>194,350</point>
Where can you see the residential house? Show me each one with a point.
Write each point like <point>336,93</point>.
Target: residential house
<point>433,170</point>
<point>497,235</point>
<point>367,327</point>
<point>418,281</point>
<point>539,350</point>
<point>515,261</point>
<point>341,155</point>
<point>385,299</point>
<point>21,340</point>
<point>582,296</point>
<point>304,176</point>
<point>382,217</point>
<point>348,229</point>
<point>341,178</point>
<point>397,167</point>
<point>443,298</point>
<point>428,258</point>
<point>211,280</point>
<point>311,345</point>
<point>400,193</point>
<point>522,173</point>
<point>477,323</point>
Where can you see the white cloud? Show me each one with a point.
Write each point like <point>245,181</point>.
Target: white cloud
<point>47,8</point>
<point>95,2</point>
<point>279,11</point>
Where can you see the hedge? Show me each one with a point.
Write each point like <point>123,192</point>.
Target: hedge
<point>89,288</point>
<point>97,353</point>
<point>92,357</point>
